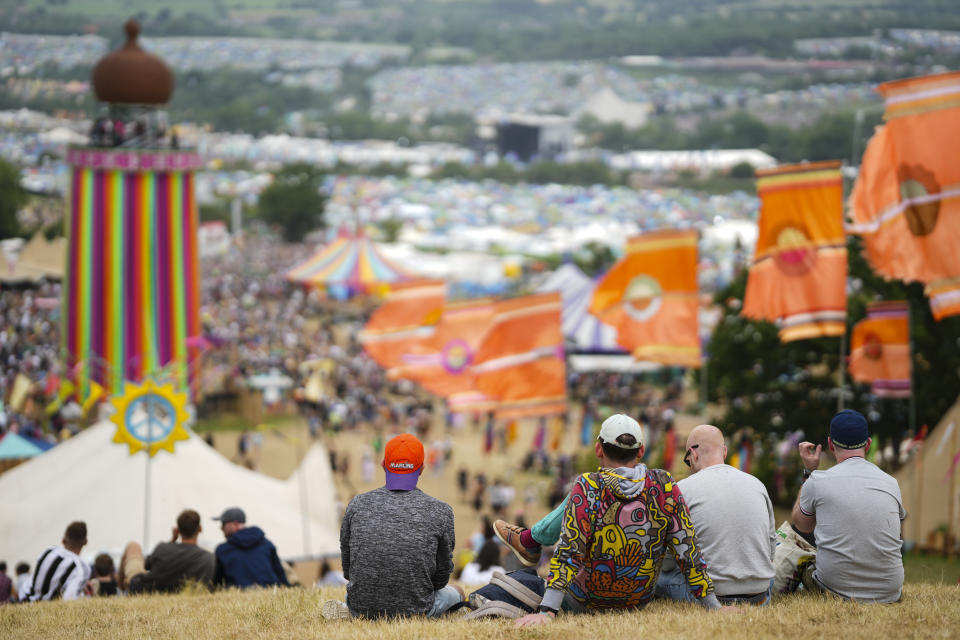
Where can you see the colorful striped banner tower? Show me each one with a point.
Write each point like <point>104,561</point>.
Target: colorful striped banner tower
<point>131,294</point>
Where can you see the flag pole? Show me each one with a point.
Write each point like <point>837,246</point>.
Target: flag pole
<point>842,368</point>
<point>854,147</point>
<point>913,401</point>
<point>918,456</point>
<point>952,497</point>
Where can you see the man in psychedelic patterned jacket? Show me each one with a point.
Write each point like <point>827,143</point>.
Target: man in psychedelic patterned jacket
<point>619,524</point>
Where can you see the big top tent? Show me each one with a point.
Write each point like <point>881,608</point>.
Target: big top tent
<point>579,325</point>
<point>351,263</point>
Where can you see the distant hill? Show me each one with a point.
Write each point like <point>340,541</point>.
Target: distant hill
<point>500,29</point>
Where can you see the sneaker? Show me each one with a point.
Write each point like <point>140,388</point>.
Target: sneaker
<point>475,600</point>
<point>510,535</point>
<point>335,610</point>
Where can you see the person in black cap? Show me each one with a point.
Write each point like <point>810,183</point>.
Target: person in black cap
<point>247,558</point>
<point>855,512</point>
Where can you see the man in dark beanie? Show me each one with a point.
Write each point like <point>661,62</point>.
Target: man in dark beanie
<point>855,512</point>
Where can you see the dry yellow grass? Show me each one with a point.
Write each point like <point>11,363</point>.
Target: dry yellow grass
<point>927,611</point>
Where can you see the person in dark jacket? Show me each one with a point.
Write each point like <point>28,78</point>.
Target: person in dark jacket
<point>247,558</point>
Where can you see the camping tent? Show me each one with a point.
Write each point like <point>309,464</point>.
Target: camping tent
<point>13,446</point>
<point>353,264</point>
<point>579,325</point>
<point>926,488</point>
<point>90,478</point>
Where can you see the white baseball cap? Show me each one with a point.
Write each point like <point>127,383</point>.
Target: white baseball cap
<point>617,425</point>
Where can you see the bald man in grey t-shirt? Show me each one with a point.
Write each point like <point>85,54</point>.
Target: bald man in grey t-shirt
<point>855,512</point>
<point>733,517</point>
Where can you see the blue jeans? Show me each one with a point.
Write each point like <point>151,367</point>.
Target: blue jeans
<point>673,585</point>
<point>546,530</point>
<point>442,600</point>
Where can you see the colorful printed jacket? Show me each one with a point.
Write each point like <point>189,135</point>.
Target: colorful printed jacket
<point>617,528</point>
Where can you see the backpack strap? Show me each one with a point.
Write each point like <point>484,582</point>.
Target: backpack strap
<point>517,590</point>
<point>497,609</point>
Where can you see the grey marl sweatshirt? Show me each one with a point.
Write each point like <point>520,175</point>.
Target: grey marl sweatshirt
<point>397,549</point>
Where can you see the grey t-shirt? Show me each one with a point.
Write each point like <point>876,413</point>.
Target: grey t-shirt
<point>733,518</point>
<point>858,510</point>
<point>397,550</point>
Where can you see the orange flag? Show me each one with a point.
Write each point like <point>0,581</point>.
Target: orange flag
<point>519,363</point>
<point>408,313</point>
<point>906,201</point>
<point>650,296</point>
<point>880,349</point>
<point>441,361</point>
<point>799,271</point>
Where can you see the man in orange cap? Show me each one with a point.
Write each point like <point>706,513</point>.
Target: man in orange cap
<point>396,544</point>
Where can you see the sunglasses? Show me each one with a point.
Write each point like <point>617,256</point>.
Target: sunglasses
<point>686,458</point>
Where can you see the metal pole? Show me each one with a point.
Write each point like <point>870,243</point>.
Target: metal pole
<point>304,504</point>
<point>854,147</point>
<point>146,480</point>
<point>704,384</point>
<point>913,395</point>
<point>842,368</point>
<point>236,218</point>
<point>855,143</point>
<point>952,496</point>
<point>918,456</point>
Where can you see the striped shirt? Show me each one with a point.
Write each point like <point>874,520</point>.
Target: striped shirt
<point>59,573</point>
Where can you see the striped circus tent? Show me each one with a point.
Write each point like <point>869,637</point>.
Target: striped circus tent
<point>351,263</point>
<point>582,328</point>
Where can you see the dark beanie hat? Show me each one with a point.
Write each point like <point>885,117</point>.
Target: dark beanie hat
<point>848,430</point>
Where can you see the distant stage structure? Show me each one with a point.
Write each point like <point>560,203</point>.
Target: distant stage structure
<point>131,295</point>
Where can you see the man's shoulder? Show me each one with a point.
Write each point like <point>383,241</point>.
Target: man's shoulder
<point>425,500</point>
<point>659,476</point>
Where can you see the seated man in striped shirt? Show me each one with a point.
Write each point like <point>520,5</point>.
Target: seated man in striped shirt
<point>60,573</point>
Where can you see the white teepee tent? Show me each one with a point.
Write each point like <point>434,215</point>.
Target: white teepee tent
<point>92,479</point>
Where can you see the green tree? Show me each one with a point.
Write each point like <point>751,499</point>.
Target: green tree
<point>776,387</point>
<point>294,202</point>
<point>742,170</point>
<point>12,199</point>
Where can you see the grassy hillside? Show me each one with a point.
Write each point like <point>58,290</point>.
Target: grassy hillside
<point>926,612</point>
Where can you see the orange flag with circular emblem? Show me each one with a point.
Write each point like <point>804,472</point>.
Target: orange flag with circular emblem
<point>650,296</point>
<point>906,201</point>
<point>408,313</point>
<point>799,271</point>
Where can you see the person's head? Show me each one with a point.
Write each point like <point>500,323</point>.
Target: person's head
<point>103,566</point>
<point>324,570</point>
<point>620,443</point>
<point>231,521</point>
<point>75,536</point>
<point>22,568</point>
<point>188,524</point>
<point>489,555</point>
<point>705,448</point>
<point>403,462</point>
<point>486,526</point>
<point>849,435</point>
<point>3,567</point>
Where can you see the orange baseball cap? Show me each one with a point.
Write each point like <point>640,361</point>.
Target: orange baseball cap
<point>403,462</point>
